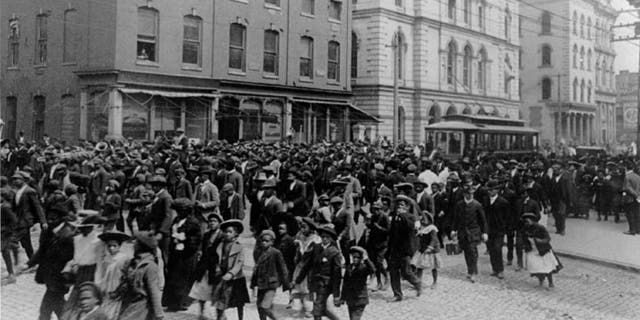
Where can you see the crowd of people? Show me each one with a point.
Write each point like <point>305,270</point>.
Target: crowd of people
<point>132,229</point>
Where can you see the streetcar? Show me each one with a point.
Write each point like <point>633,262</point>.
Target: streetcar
<point>467,135</point>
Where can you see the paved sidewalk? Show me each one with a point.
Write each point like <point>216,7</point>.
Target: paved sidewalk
<point>598,241</point>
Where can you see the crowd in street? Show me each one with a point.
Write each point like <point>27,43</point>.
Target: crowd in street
<point>130,230</point>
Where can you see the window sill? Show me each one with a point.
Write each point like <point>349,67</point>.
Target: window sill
<point>191,67</point>
<point>66,64</point>
<point>333,83</point>
<point>40,66</point>
<point>270,76</point>
<point>332,20</point>
<point>545,67</point>
<point>305,79</point>
<point>308,15</point>
<point>12,68</point>
<point>241,1</point>
<point>235,72</point>
<point>272,7</point>
<point>147,63</point>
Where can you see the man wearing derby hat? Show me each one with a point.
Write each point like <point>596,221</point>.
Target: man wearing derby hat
<point>560,196</point>
<point>207,197</point>
<point>28,210</point>
<point>160,214</point>
<point>402,245</point>
<point>470,226</point>
<point>295,195</point>
<point>324,268</point>
<point>272,211</point>
<point>497,214</point>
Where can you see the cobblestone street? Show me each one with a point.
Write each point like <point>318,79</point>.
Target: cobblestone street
<point>583,291</point>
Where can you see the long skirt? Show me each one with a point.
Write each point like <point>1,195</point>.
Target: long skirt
<point>426,260</point>
<point>542,265</point>
<point>112,308</point>
<point>138,310</point>
<point>178,281</point>
<point>230,294</point>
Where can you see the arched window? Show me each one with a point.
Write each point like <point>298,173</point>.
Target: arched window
<point>451,63</point>
<point>575,56</point>
<point>354,55</point>
<point>546,88</point>
<point>467,110</point>
<point>597,73</point>
<point>604,73</point>
<point>612,81</point>
<point>481,23</point>
<point>582,87</point>
<point>589,25</point>
<point>482,70</point>
<point>575,89</point>
<point>401,54</point>
<point>581,58</point>
<point>597,31</point>
<point>546,55</point>
<point>507,24</point>
<point>575,23</point>
<point>546,22</point>
<point>434,114</point>
<point>452,110</point>
<point>581,26</point>
<point>589,60</point>
<point>466,66</point>
<point>401,123</point>
<point>589,88</point>
<point>451,12</point>
<point>466,11</point>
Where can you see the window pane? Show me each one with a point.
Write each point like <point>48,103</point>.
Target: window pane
<point>335,10</point>
<point>146,50</point>
<point>190,52</point>
<point>270,41</point>
<point>333,51</point>
<point>308,6</point>
<point>236,35</point>
<point>273,2</point>
<point>235,58</point>
<point>269,62</point>
<point>192,29</point>
<point>305,67</point>
<point>69,36</point>
<point>147,22</point>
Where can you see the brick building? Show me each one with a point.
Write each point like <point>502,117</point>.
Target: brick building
<point>232,69</point>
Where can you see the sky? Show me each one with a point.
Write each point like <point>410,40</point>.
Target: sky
<point>627,53</point>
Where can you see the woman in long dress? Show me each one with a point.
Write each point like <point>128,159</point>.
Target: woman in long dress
<point>304,240</point>
<point>541,261</point>
<point>109,271</point>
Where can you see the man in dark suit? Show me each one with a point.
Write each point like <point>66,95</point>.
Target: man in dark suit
<point>470,226</point>
<point>402,246</point>
<point>295,194</point>
<point>235,178</point>
<point>631,199</point>
<point>27,209</point>
<point>160,216</point>
<point>183,187</point>
<point>560,196</point>
<point>497,212</point>
<point>425,201</point>
<point>272,211</point>
<point>515,227</point>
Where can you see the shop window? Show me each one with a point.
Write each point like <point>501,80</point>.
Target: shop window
<point>147,34</point>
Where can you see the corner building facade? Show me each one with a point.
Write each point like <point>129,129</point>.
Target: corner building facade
<point>453,57</point>
<point>230,69</point>
<point>569,80</point>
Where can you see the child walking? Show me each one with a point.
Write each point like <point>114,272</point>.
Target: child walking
<point>427,256</point>
<point>269,273</point>
<point>354,283</point>
<point>541,261</point>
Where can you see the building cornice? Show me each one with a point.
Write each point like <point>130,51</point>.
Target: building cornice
<point>403,17</point>
<point>443,95</point>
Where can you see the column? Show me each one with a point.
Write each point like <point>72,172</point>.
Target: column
<point>578,128</point>
<point>564,118</point>
<point>262,105</point>
<point>213,112</point>
<point>183,115</point>
<point>288,112</point>
<point>328,124</point>
<point>307,122</point>
<point>557,126</point>
<point>314,120</point>
<point>115,115</point>
<point>572,126</point>
<point>152,116</point>
<point>347,125</point>
<point>83,113</point>
<point>585,128</point>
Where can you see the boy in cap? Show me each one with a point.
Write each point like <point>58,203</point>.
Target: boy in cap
<point>269,273</point>
<point>112,205</point>
<point>354,284</point>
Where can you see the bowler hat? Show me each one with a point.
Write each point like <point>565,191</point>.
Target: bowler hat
<point>267,233</point>
<point>328,230</point>
<point>269,184</point>
<point>118,236</point>
<point>147,241</point>
<point>358,249</point>
<point>336,199</point>
<point>531,215</point>
<point>158,179</point>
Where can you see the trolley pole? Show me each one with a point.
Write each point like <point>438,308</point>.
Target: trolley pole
<point>396,47</point>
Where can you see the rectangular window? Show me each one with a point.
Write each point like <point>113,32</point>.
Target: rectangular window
<point>335,9</point>
<point>41,39</point>
<point>398,3</point>
<point>191,41</point>
<point>39,107</point>
<point>309,7</point>
<point>333,61</point>
<point>237,42</point>
<point>306,57</point>
<point>271,48</point>
<point>481,17</point>
<point>11,117</point>
<point>275,3</point>
<point>147,34</point>
<point>69,36</point>
<point>14,43</point>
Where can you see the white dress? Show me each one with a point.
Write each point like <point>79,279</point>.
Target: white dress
<point>537,264</point>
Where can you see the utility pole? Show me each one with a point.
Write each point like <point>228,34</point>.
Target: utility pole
<point>395,45</point>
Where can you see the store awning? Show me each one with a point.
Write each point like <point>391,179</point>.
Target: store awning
<point>169,94</point>
<point>356,114</point>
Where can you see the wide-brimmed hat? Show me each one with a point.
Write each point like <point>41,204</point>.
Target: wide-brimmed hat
<point>308,221</point>
<point>531,215</point>
<point>227,187</point>
<point>323,197</point>
<point>339,182</point>
<point>336,199</point>
<point>21,175</point>
<point>233,223</point>
<point>403,185</point>
<point>260,177</point>
<point>420,183</point>
<point>328,230</point>
<point>404,198</point>
<point>206,169</point>
<point>358,249</point>
<point>182,204</point>
<point>101,146</point>
<point>269,184</point>
<point>158,180</point>
<point>267,233</point>
<point>90,221</point>
<point>493,184</point>
<point>114,235</point>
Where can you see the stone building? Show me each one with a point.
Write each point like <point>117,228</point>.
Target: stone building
<point>453,57</point>
<point>568,90</point>
<point>627,106</point>
<point>232,69</point>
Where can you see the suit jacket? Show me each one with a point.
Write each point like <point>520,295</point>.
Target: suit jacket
<point>560,191</point>
<point>209,260</point>
<point>28,209</point>
<point>497,215</point>
<point>469,221</point>
<point>631,186</point>
<point>184,189</point>
<point>236,179</point>
<point>354,283</point>
<point>231,207</point>
<point>208,195</point>
<point>160,216</point>
<point>426,203</point>
<point>297,195</point>
<point>270,271</point>
<point>402,235</point>
<point>270,210</point>
<point>324,268</point>
<point>99,181</point>
<point>378,236</point>
<point>193,237</point>
<point>233,262</point>
<point>55,251</point>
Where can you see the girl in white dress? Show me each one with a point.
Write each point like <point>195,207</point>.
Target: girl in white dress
<point>541,261</point>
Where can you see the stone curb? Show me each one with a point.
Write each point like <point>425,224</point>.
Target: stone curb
<point>597,260</point>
